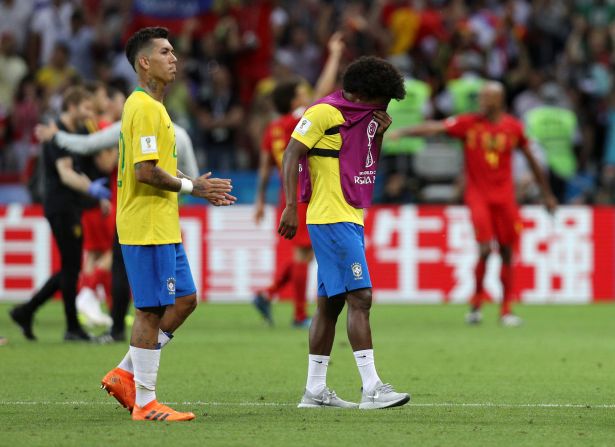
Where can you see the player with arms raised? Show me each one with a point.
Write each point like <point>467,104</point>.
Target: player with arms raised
<point>148,226</point>
<point>489,138</point>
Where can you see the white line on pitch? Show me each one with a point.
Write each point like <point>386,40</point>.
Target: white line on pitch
<point>287,404</point>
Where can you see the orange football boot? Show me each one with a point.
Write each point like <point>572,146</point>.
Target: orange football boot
<point>155,411</point>
<point>120,384</point>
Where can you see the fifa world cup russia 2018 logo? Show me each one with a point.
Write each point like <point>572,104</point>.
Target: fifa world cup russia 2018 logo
<point>372,127</point>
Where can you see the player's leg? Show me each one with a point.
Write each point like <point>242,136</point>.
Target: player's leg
<point>185,294</point>
<point>67,230</point>
<point>322,328</point>
<point>23,314</point>
<point>303,256</point>
<point>483,233</point>
<point>508,228</point>
<point>151,272</point>
<point>283,274</point>
<point>120,293</point>
<point>376,394</point>
<point>322,335</point>
<point>357,281</point>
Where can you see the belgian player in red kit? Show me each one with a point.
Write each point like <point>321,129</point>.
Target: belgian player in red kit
<point>289,98</point>
<point>489,138</point>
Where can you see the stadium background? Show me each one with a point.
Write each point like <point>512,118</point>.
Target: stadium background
<point>419,239</point>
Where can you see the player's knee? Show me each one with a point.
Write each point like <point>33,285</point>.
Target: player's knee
<point>360,300</point>
<point>188,303</point>
<point>484,250</point>
<point>506,254</point>
<point>330,308</point>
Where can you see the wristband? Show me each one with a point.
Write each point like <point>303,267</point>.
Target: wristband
<point>187,186</point>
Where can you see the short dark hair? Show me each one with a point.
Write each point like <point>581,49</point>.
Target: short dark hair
<point>94,86</point>
<point>142,39</point>
<point>372,78</point>
<point>74,96</point>
<point>283,95</point>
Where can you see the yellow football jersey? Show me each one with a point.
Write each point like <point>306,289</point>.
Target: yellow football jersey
<point>327,204</point>
<point>146,215</point>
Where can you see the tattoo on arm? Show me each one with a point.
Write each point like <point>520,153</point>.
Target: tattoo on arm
<point>147,172</point>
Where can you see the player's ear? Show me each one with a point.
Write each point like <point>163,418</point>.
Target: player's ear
<point>143,62</point>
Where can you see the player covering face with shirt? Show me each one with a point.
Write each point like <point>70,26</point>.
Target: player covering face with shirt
<point>335,146</point>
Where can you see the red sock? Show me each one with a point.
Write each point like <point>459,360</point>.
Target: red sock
<point>103,277</point>
<point>281,278</point>
<point>479,275</point>
<point>87,280</point>
<point>506,276</point>
<point>300,270</point>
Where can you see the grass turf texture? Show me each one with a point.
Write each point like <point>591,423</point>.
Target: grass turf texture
<point>243,380</point>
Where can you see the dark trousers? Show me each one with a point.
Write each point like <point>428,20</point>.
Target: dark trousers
<point>67,231</point>
<point>120,290</point>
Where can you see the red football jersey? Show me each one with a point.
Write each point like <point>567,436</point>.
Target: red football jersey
<point>277,135</point>
<point>488,150</point>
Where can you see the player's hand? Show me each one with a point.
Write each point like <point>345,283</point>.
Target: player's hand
<point>551,203</point>
<point>394,135</point>
<point>336,44</point>
<point>259,212</point>
<point>226,201</point>
<point>98,190</point>
<point>384,121</point>
<point>214,190</point>
<point>45,132</point>
<point>105,206</point>
<point>288,222</point>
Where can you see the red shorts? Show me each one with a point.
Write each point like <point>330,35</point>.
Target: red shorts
<point>302,237</point>
<point>97,230</point>
<point>499,221</point>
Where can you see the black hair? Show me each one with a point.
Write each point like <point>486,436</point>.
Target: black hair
<point>283,95</point>
<point>374,78</point>
<point>142,39</point>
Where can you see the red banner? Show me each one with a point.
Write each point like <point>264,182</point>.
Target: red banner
<point>415,254</point>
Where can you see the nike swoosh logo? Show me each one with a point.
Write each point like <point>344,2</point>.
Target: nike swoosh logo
<point>317,361</point>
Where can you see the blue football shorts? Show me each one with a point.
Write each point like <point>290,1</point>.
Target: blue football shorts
<point>158,274</point>
<point>340,254</point>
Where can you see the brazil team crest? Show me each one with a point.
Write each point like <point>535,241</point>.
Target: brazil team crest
<point>357,270</point>
<point>171,286</point>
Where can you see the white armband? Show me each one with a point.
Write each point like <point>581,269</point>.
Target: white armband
<point>187,186</point>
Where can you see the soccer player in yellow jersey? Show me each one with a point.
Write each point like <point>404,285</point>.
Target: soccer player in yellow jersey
<point>148,226</point>
<point>341,135</point>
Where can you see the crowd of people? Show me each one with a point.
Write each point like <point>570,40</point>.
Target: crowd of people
<point>554,57</point>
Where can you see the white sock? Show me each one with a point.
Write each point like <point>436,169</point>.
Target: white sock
<point>317,373</point>
<point>146,363</point>
<point>367,369</point>
<point>163,339</point>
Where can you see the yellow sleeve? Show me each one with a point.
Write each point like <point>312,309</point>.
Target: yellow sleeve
<point>145,128</point>
<point>315,121</point>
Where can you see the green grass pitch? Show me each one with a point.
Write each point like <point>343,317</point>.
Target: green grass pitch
<point>548,383</point>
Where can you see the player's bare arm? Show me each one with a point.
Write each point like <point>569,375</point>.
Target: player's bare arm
<point>290,172</point>
<point>70,177</point>
<point>549,199</point>
<point>426,129</point>
<point>328,76</point>
<point>264,172</point>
